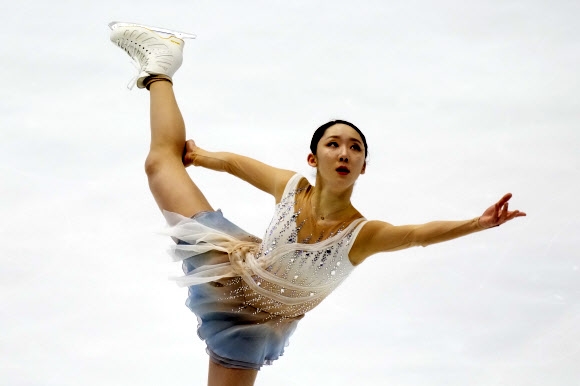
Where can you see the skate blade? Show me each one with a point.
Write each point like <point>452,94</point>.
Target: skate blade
<point>170,32</point>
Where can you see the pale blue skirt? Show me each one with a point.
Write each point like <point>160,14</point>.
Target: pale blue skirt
<point>237,335</point>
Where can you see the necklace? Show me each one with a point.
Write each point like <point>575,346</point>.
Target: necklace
<point>322,217</point>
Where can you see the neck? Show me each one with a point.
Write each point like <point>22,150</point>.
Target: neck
<point>328,204</point>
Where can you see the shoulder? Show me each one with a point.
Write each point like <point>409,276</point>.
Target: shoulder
<point>365,244</point>
<point>288,183</point>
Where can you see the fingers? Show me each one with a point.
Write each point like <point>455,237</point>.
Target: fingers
<point>502,209</point>
<point>514,214</point>
<point>504,199</point>
<point>504,213</point>
<point>511,216</point>
<point>188,153</point>
<point>190,145</point>
<point>499,213</point>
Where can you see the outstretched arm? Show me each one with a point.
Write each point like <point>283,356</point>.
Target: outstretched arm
<point>264,177</point>
<point>379,236</point>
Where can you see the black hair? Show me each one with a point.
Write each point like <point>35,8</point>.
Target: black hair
<point>320,132</point>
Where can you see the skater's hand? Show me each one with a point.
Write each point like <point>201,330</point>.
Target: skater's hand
<point>498,213</point>
<point>189,151</point>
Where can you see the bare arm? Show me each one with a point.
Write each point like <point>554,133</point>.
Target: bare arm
<point>267,178</point>
<point>379,236</point>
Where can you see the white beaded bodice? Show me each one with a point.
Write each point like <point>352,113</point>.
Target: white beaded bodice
<point>305,273</point>
<point>281,275</point>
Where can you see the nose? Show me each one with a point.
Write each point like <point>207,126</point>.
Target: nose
<point>343,156</point>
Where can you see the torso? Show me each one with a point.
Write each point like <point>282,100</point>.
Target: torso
<point>303,259</point>
<point>314,229</point>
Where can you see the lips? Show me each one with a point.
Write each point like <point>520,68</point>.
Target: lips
<point>342,170</point>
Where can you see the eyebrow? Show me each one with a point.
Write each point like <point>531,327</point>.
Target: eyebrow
<point>351,138</point>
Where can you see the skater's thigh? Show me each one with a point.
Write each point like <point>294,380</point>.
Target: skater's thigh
<point>175,191</point>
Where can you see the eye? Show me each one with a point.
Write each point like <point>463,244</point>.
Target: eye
<point>356,147</point>
<point>332,144</point>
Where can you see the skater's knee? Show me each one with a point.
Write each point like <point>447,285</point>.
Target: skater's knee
<point>157,161</point>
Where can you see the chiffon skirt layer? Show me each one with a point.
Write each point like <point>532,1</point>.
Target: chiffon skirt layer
<point>237,335</point>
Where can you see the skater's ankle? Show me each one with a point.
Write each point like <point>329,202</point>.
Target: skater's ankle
<point>156,78</point>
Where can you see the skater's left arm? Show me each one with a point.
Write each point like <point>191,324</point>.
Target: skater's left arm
<point>379,236</point>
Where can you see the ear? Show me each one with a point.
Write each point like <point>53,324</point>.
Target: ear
<point>312,160</point>
<point>364,168</point>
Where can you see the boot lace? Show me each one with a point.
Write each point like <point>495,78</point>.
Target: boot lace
<point>138,58</point>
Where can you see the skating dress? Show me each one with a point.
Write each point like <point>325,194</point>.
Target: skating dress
<point>249,294</point>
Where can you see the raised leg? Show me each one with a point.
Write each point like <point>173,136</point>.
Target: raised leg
<point>222,376</point>
<point>169,182</point>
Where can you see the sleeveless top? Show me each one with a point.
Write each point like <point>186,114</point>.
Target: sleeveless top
<point>281,275</point>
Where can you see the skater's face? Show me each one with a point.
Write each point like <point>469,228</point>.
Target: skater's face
<point>340,154</point>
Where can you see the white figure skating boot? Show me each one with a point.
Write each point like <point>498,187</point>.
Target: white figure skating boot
<point>155,51</point>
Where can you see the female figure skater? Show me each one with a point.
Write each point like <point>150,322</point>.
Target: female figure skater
<point>247,293</point>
